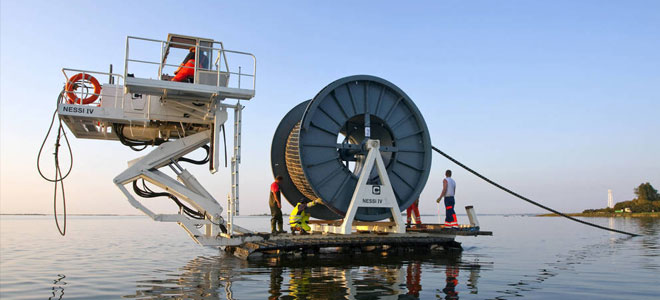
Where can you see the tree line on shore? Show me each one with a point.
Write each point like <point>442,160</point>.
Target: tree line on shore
<point>647,200</point>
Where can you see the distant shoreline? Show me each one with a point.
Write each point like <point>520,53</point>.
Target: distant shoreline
<point>608,215</point>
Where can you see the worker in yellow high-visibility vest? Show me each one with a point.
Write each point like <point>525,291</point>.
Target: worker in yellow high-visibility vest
<point>299,217</point>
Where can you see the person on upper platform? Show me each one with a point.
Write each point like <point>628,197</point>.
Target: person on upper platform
<point>186,70</point>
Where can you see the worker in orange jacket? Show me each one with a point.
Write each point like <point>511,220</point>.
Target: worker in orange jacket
<point>186,70</point>
<point>413,209</point>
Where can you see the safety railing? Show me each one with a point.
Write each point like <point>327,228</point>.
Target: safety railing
<point>223,72</point>
<point>76,87</point>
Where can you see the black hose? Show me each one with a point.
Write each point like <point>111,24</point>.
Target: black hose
<point>58,178</point>
<point>527,199</point>
<point>146,192</point>
<point>61,230</point>
<point>198,162</point>
<point>61,132</point>
<point>224,139</point>
<point>133,144</point>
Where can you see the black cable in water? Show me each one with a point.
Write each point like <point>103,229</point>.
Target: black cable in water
<point>527,199</point>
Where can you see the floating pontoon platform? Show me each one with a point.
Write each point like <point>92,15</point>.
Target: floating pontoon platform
<point>415,239</point>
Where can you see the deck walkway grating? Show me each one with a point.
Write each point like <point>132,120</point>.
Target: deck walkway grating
<point>415,238</point>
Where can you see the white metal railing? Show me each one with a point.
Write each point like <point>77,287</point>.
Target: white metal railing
<point>116,79</point>
<point>216,67</point>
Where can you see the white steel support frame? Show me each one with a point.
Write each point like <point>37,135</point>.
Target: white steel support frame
<point>368,195</point>
<point>233,209</point>
<point>187,188</point>
<point>236,159</point>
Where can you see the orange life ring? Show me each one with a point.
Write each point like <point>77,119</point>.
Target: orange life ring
<point>71,85</point>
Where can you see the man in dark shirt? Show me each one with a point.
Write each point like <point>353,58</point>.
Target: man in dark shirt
<point>275,203</point>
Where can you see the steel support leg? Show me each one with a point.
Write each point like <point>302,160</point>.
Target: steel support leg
<point>187,189</point>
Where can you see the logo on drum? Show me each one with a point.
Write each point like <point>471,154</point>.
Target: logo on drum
<point>375,189</point>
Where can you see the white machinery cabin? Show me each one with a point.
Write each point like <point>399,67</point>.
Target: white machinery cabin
<point>145,107</point>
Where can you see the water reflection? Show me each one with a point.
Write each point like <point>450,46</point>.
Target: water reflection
<point>318,277</point>
<point>276,280</point>
<point>371,277</point>
<point>413,278</point>
<point>202,278</point>
<point>452,282</point>
<point>649,242</point>
<point>57,291</point>
<point>649,226</point>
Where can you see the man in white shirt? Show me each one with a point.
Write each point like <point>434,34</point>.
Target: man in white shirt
<point>448,192</point>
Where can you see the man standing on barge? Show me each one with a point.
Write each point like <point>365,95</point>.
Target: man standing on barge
<point>275,203</point>
<point>413,211</point>
<point>448,192</point>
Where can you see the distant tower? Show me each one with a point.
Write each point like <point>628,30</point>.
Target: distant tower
<point>610,200</point>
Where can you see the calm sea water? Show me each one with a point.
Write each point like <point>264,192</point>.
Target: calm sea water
<point>133,257</point>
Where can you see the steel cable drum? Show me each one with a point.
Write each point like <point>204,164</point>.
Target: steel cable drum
<point>324,149</point>
<point>279,167</point>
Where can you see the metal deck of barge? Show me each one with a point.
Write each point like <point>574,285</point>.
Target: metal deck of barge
<point>430,236</point>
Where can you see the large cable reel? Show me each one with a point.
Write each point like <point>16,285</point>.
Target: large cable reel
<point>319,147</point>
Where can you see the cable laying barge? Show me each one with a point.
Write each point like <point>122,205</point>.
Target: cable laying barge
<point>360,148</point>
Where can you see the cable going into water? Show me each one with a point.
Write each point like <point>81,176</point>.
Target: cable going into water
<point>525,198</point>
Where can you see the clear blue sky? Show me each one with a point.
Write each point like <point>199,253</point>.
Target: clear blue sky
<point>559,100</point>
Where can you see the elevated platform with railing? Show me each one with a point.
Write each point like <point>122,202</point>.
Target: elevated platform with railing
<point>147,106</point>
<point>210,81</point>
<point>157,108</point>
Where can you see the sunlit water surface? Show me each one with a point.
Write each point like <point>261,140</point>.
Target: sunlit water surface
<point>134,257</point>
